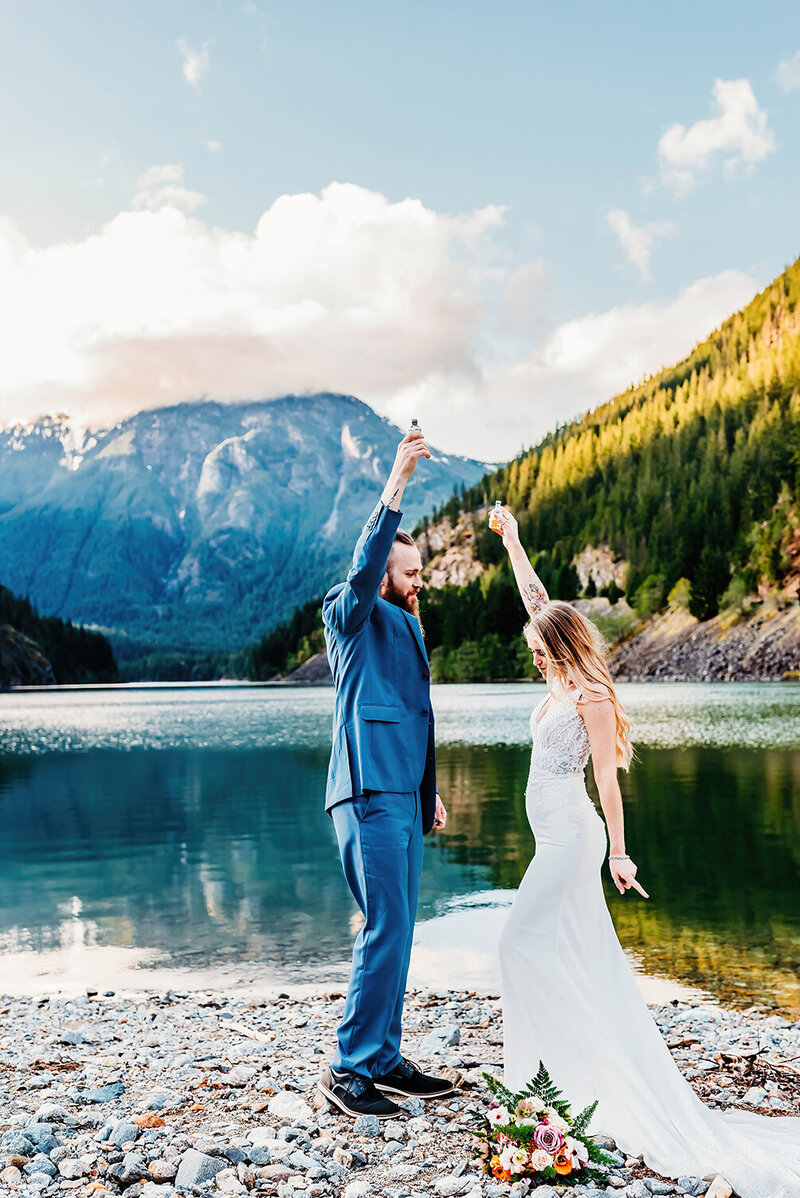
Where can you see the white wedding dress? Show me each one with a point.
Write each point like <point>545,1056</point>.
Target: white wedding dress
<point>570,998</point>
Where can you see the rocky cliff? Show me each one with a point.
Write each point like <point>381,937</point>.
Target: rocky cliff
<point>674,647</point>
<point>22,662</point>
<point>448,550</point>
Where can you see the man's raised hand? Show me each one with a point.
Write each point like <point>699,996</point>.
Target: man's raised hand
<point>409,452</point>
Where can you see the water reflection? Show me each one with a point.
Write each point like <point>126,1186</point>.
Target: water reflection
<point>716,835</point>
<point>203,839</point>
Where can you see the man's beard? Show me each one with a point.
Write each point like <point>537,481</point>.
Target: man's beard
<point>409,602</point>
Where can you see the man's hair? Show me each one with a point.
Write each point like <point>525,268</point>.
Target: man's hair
<point>401,537</point>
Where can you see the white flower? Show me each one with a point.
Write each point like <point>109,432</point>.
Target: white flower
<point>560,1124</point>
<point>519,1159</point>
<point>578,1150</point>
<point>499,1115</point>
<point>507,1158</point>
<point>540,1159</point>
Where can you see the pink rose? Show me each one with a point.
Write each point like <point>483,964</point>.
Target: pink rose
<point>547,1137</point>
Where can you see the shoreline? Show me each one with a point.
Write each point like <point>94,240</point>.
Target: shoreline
<point>140,973</point>
<point>167,1092</point>
<point>290,682</point>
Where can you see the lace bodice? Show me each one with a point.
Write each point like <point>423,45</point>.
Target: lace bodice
<point>560,740</point>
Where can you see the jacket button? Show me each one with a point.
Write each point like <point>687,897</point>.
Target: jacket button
<point>426,677</point>
<point>424,711</point>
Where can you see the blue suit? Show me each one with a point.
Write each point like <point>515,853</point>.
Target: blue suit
<point>381,789</point>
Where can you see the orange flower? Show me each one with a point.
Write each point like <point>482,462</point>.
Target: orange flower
<point>562,1162</point>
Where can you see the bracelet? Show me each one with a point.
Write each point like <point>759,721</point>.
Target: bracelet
<point>618,857</point>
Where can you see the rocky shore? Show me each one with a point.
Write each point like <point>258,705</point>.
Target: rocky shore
<point>674,647</point>
<point>153,1095</point>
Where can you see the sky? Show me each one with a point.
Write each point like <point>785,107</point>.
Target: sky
<point>491,217</point>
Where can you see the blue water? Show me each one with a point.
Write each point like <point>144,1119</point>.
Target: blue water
<point>187,823</point>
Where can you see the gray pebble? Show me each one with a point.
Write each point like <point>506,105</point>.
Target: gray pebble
<point>367,1125</point>
<point>197,1167</point>
<point>72,1169</point>
<point>358,1189</point>
<point>39,1180</point>
<point>41,1164</point>
<point>107,1093</point>
<point>124,1131</point>
<point>16,1142</point>
<point>258,1156</point>
<point>53,1112</point>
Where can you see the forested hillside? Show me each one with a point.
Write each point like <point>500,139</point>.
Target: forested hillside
<point>686,484</point>
<point>691,478</point>
<point>76,654</point>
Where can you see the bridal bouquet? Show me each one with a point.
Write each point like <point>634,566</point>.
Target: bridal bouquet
<point>532,1136</point>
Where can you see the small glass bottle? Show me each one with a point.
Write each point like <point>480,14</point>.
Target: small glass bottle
<point>415,428</point>
<point>496,517</point>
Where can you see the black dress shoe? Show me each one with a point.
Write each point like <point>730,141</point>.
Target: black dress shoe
<point>408,1080</point>
<point>356,1095</point>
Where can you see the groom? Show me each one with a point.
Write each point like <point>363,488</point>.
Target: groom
<point>381,794</point>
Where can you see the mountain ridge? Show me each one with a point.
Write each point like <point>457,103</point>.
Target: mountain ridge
<point>197,526</point>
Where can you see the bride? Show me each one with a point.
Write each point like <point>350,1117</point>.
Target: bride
<point>569,996</point>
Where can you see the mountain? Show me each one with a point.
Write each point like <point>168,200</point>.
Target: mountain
<point>681,492</point>
<point>198,527</point>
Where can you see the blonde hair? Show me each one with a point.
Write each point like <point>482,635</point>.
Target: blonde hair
<point>576,655</point>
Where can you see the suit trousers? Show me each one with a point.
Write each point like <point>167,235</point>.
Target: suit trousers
<point>380,844</point>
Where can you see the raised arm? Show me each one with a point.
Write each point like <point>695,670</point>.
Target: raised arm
<point>531,588</point>
<point>347,607</point>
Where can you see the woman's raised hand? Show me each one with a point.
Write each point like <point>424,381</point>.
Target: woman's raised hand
<point>506,526</point>
<point>624,875</point>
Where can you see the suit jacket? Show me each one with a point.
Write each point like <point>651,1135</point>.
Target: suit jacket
<point>383,732</point>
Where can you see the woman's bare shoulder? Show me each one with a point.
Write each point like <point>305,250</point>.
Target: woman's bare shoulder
<point>595,704</point>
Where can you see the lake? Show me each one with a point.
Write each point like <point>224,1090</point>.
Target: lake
<point>148,831</point>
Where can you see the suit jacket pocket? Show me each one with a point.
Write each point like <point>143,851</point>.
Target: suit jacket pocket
<point>383,713</point>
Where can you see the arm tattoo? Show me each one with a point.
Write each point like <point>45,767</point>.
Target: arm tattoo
<point>535,596</point>
<point>389,502</point>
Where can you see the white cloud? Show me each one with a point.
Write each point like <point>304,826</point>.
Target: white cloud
<point>587,361</point>
<point>637,241</point>
<point>195,62</point>
<point>162,187</point>
<point>739,133</point>
<point>788,73</point>
<point>212,145</point>
<point>342,291</point>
